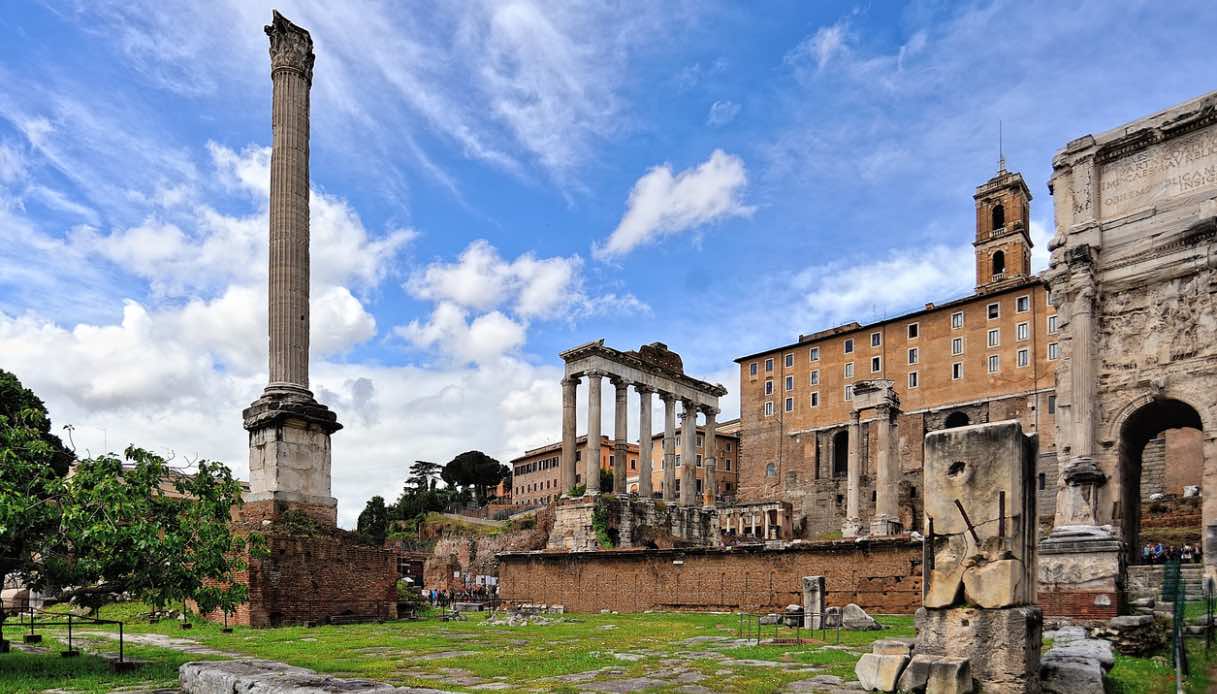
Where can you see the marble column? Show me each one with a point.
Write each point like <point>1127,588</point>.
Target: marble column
<point>853,492</point>
<point>887,475</point>
<point>645,444</point>
<point>669,446</point>
<point>570,437</point>
<point>620,433</point>
<point>710,459</point>
<point>591,454</point>
<point>688,454</point>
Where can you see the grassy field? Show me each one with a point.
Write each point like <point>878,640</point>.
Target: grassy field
<point>644,652</point>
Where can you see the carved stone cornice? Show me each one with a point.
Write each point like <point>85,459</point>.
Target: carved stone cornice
<point>291,48</point>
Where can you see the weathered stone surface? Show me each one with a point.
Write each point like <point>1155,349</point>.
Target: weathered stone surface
<point>892,647</point>
<point>995,584</point>
<point>1065,633</point>
<point>1002,646</point>
<point>933,673</point>
<point>1096,650</point>
<point>1061,676</point>
<point>252,676</point>
<point>855,618</point>
<point>813,601</point>
<point>880,672</point>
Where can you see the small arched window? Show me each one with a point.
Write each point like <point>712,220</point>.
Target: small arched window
<point>771,470</point>
<point>956,419</point>
<point>999,262</point>
<point>999,217</point>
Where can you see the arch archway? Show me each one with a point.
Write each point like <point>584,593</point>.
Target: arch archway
<point>840,454</point>
<point>1144,427</point>
<point>956,419</point>
<point>999,217</point>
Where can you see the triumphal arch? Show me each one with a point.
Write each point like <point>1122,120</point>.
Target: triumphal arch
<point>1133,277</point>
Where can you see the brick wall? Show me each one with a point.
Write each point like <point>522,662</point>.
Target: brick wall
<point>1079,605</point>
<point>881,576</point>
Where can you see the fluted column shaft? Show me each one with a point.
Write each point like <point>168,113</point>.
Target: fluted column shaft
<point>620,434</point>
<point>709,459</point>
<point>688,454</point>
<point>289,227</point>
<point>591,455</point>
<point>887,475</point>
<point>570,395</point>
<point>645,445</point>
<point>669,446</point>
<point>853,493</point>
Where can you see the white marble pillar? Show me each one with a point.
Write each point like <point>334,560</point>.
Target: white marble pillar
<point>688,454</point>
<point>570,395</point>
<point>669,446</point>
<point>620,433</point>
<point>853,492</point>
<point>887,475</point>
<point>645,444</point>
<point>710,459</point>
<point>591,455</point>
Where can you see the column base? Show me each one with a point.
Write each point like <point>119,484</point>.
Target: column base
<point>1081,570</point>
<point>270,506</point>
<point>884,526</point>
<point>851,528</point>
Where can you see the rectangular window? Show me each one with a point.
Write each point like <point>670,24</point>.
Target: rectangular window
<point>769,364</point>
<point>994,311</point>
<point>848,369</point>
<point>913,379</point>
<point>875,365</point>
<point>815,399</point>
<point>876,339</point>
<point>752,368</point>
<point>701,440</point>
<point>790,404</point>
<point>815,377</point>
<point>914,329</point>
<point>768,408</point>
<point>957,345</point>
<point>699,460</point>
<point>814,354</point>
<point>994,337</point>
<point>1024,357</point>
<point>1054,350</point>
<point>1051,404</point>
<point>789,361</point>
<point>769,387</point>
<point>1052,324</point>
<point>849,392</point>
<point>848,346</point>
<point>1022,331</point>
<point>956,371</point>
<point>1022,304</point>
<point>790,383</point>
<point>957,320</point>
<point>994,363</point>
<point>914,355</point>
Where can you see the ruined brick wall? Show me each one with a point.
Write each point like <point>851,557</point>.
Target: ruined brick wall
<point>881,576</point>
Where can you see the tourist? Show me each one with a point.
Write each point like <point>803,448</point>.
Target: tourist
<point>1159,553</point>
<point>1186,553</point>
<point>1147,553</point>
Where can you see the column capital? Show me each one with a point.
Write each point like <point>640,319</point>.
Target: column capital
<point>618,382</point>
<point>708,410</point>
<point>666,396</point>
<point>291,48</point>
<point>572,380</point>
<point>643,389</point>
<point>595,373</point>
<point>688,404</point>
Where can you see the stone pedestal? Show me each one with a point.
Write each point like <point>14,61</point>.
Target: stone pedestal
<point>813,602</point>
<point>1079,573</point>
<point>289,455</point>
<point>1001,646</point>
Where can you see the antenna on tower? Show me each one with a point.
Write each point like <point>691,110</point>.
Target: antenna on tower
<point>1001,151</point>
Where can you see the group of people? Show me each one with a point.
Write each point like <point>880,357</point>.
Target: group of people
<point>443,598</point>
<point>1158,553</point>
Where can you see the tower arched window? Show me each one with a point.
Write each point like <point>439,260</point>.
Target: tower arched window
<point>999,217</point>
<point>771,470</point>
<point>999,262</point>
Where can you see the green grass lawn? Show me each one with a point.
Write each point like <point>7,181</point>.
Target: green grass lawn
<point>563,656</point>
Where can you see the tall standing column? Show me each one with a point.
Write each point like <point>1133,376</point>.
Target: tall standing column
<point>669,446</point>
<point>621,433</point>
<point>688,454</point>
<point>887,476</point>
<point>853,493</point>
<point>591,455</point>
<point>645,444</point>
<point>291,54</point>
<point>709,458</point>
<point>570,396</point>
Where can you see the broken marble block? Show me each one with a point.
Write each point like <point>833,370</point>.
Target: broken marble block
<point>880,672</point>
<point>855,618</point>
<point>936,674</point>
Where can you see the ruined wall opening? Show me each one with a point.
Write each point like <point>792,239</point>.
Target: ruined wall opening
<point>999,262</point>
<point>1163,523</point>
<point>956,419</point>
<point>840,454</point>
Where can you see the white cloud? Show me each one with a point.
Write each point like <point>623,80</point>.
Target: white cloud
<point>662,203</point>
<point>451,334</point>
<point>722,112</point>
<point>12,163</point>
<point>822,46</point>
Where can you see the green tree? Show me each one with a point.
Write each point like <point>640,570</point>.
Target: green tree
<point>423,474</point>
<point>15,399</point>
<point>373,523</point>
<point>476,470</point>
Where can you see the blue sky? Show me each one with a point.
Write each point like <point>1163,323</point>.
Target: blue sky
<point>494,182</point>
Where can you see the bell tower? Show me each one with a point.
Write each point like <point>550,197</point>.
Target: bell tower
<point>1003,234</point>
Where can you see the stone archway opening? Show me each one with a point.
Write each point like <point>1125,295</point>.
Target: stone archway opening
<point>1161,469</point>
<point>956,419</point>
<point>840,454</point>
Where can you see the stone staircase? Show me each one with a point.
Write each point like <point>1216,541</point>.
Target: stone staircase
<point>1145,580</point>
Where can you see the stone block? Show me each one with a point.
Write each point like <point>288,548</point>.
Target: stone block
<point>813,602</point>
<point>995,584</point>
<point>933,674</point>
<point>892,647</point>
<point>1002,646</point>
<point>1071,677</point>
<point>1096,650</point>
<point>855,618</point>
<point>880,672</point>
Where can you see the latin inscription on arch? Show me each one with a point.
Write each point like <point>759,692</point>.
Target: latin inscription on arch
<point>1159,172</point>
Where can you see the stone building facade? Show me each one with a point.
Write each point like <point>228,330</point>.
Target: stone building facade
<point>727,456</point>
<point>986,357</point>
<point>535,475</point>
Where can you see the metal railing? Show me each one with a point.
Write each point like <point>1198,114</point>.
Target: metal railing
<point>751,625</point>
<point>30,620</point>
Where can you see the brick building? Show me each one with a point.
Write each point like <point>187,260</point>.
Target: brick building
<point>989,356</point>
<point>727,462</point>
<point>535,474</point>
